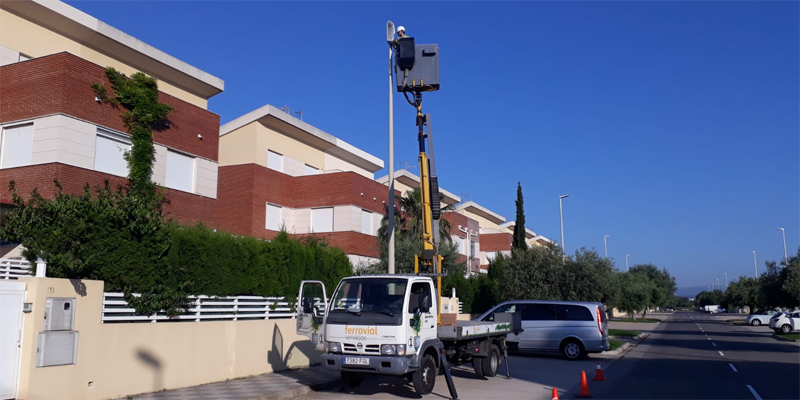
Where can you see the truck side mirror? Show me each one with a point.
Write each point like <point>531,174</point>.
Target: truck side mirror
<point>424,303</point>
<point>308,305</point>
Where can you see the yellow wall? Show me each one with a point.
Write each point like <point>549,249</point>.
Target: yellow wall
<point>270,139</point>
<point>482,222</point>
<point>239,146</point>
<point>115,360</point>
<point>34,40</point>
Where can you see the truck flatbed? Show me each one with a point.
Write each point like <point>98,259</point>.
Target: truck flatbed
<point>477,329</point>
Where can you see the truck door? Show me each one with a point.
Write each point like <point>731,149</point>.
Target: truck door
<point>422,319</point>
<point>312,304</point>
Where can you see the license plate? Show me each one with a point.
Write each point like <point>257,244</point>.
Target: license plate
<point>356,361</point>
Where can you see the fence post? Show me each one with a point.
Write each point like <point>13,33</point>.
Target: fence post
<point>236,309</point>
<point>41,268</point>
<point>197,313</point>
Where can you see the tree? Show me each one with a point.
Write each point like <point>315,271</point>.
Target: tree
<point>519,242</point>
<point>532,274</point>
<point>635,293</point>
<point>588,277</point>
<point>663,283</point>
<point>742,292</point>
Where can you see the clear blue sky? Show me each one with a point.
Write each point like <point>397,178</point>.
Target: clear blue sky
<point>673,126</point>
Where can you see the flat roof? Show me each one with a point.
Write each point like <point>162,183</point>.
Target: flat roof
<point>409,179</point>
<point>273,117</point>
<point>85,29</point>
<point>476,208</point>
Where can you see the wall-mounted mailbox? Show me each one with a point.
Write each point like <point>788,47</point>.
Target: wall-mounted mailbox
<point>57,348</point>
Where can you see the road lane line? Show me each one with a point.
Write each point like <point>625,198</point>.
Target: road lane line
<point>753,391</point>
<point>733,368</point>
<point>708,337</point>
<point>720,353</point>
<point>715,345</point>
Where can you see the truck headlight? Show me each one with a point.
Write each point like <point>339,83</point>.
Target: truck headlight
<point>393,349</point>
<point>334,347</point>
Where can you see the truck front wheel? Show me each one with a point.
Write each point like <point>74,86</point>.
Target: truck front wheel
<point>425,376</point>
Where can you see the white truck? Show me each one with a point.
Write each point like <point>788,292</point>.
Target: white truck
<point>389,325</point>
<point>712,309</point>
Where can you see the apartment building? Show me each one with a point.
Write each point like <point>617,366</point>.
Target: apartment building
<point>278,172</point>
<point>52,127</point>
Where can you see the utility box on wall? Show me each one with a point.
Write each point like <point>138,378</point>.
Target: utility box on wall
<point>58,344</point>
<point>59,314</point>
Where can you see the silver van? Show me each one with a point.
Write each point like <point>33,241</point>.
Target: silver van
<point>573,328</point>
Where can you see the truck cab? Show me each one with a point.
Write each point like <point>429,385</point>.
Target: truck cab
<point>380,324</point>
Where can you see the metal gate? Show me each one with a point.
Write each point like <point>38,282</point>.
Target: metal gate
<point>12,295</point>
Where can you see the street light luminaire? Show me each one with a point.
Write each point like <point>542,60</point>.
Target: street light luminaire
<point>561,215</point>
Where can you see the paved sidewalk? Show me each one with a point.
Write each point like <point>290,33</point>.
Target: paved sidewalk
<point>274,386</point>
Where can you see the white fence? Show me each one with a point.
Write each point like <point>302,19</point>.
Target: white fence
<point>203,308</point>
<point>13,268</point>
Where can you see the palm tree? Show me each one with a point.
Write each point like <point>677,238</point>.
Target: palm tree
<point>408,222</point>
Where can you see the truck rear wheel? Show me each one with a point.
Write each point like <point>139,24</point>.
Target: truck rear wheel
<point>477,365</point>
<point>425,376</point>
<point>492,362</point>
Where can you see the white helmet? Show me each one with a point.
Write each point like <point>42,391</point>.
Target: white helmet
<point>401,28</point>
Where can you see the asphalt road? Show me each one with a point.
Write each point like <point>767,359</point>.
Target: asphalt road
<point>689,355</point>
<point>698,356</point>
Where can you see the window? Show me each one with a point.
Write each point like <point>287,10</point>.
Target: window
<point>462,246</point>
<point>573,313</point>
<point>17,146</point>
<point>274,217</point>
<point>417,289</point>
<point>311,170</point>
<point>109,155</point>
<point>275,161</point>
<point>491,255</point>
<point>180,171</point>
<point>539,312</point>
<point>366,222</point>
<point>322,219</point>
<point>472,249</point>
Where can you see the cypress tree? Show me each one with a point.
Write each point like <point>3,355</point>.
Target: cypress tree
<point>519,224</point>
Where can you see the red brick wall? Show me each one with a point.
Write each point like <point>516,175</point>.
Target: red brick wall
<point>455,220</point>
<point>496,241</point>
<point>244,190</point>
<point>61,83</point>
<point>185,208</point>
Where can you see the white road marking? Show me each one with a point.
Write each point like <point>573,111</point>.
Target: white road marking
<point>708,337</point>
<point>715,345</point>
<point>753,391</point>
<point>733,368</point>
<point>720,353</point>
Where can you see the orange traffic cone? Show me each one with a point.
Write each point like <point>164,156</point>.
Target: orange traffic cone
<point>584,387</point>
<point>598,376</point>
<point>555,394</point>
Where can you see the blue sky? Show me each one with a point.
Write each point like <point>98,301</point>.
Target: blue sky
<point>673,126</point>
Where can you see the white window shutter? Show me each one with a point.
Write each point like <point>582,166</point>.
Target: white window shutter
<point>274,161</point>
<point>109,156</point>
<point>322,220</point>
<point>17,146</point>
<point>180,172</point>
<point>274,217</point>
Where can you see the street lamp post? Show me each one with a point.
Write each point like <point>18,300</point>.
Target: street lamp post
<point>755,264</point>
<point>605,244</point>
<point>785,255</point>
<point>726,281</point>
<point>718,284</point>
<point>561,214</point>
<point>627,268</point>
<point>390,204</point>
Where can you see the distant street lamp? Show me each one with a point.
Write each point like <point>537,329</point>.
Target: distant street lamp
<point>785,256</point>
<point>712,285</point>
<point>561,213</point>
<point>605,243</point>
<point>718,284</point>
<point>627,268</point>
<point>755,264</point>
<point>726,281</point>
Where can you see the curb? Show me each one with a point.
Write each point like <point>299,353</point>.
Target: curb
<point>298,391</point>
<point>627,345</point>
<point>783,339</point>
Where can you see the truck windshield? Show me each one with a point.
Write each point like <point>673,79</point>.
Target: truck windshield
<point>368,300</point>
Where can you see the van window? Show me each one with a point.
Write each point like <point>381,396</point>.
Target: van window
<point>538,312</point>
<point>507,308</point>
<point>573,313</point>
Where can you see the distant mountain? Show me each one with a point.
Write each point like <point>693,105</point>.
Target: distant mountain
<point>690,292</point>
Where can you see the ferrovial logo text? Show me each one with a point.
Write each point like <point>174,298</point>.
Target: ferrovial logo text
<point>370,330</point>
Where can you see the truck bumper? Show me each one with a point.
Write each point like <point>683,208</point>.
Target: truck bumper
<point>385,365</point>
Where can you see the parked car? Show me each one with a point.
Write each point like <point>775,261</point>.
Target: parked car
<point>570,327</point>
<point>760,317</point>
<point>785,322</point>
